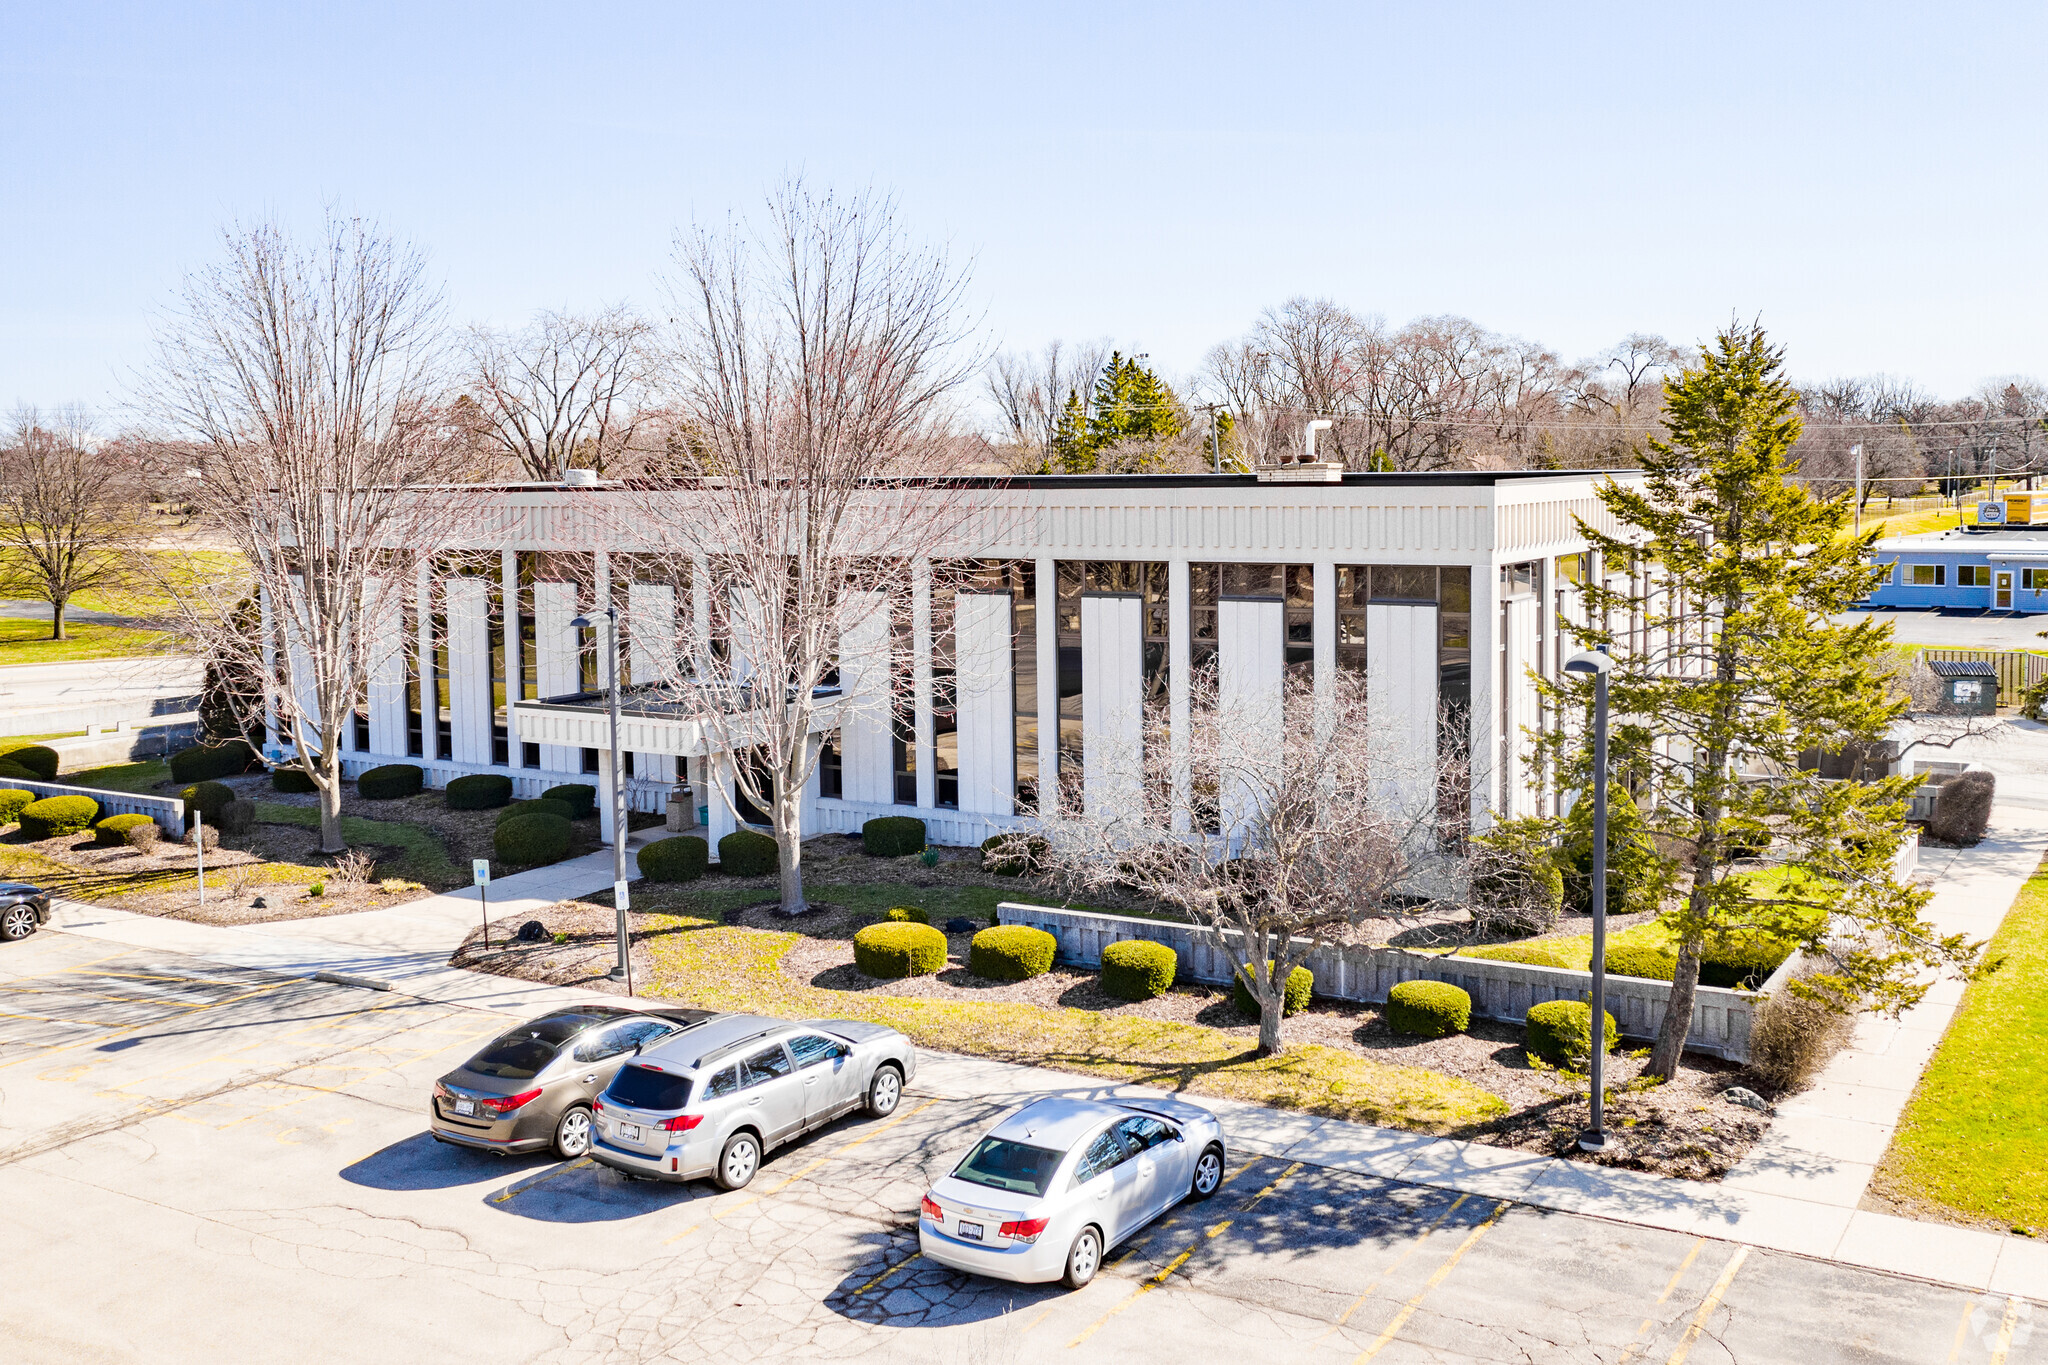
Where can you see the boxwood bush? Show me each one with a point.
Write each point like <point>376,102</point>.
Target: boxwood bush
<point>540,806</point>
<point>12,800</point>
<point>678,858</point>
<point>291,779</point>
<point>1651,962</point>
<point>1301,983</point>
<point>112,832</point>
<point>56,815</point>
<point>1011,952</point>
<point>1744,960</point>
<point>479,791</point>
<point>1011,855</point>
<point>906,914</point>
<point>746,853</point>
<point>206,798</point>
<point>390,782</point>
<point>1561,1032</point>
<point>1428,1009</point>
<point>530,840</point>
<point>204,762</point>
<point>1138,969</point>
<point>14,772</point>
<point>894,951</point>
<point>892,836</point>
<point>580,797</point>
<point>37,758</point>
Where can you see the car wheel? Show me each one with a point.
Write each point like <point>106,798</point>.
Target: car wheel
<point>885,1091</point>
<point>1208,1173</point>
<point>17,922</point>
<point>572,1133</point>
<point>1084,1258</point>
<point>738,1162</point>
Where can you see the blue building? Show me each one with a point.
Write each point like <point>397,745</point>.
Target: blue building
<point>1996,568</point>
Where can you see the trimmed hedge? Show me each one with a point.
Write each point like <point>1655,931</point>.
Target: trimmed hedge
<point>204,762</point>
<point>1011,952</point>
<point>894,951</point>
<point>11,802</point>
<point>1738,960</point>
<point>1561,1032</point>
<point>390,782</point>
<point>892,836</point>
<point>1012,855</point>
<point>479,791</point>
<point>207,798</point>
<point>1647,961</point>
<point>581,798</point>
<point>530,840</point>
<point>14,772</point>
<point>293,779</point>
<point>540,806</point>
<point>746,853</point>
<point>905,914</point>
<point>112,832</point>
<point>55,815</point>
<point>1428,1009</point>
<point>1301,983</point>
<point>37,758</point>
<point>1138,969</point>
<point>679,858</point>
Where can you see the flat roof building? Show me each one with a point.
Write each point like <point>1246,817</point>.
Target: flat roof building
<point>2001,568</point>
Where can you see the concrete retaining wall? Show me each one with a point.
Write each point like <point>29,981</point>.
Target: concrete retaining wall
<point>167,811</point>
<point>1499,990</point>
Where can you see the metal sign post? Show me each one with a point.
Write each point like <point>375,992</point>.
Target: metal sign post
<point>624,903</point>
<point>199,851</point>
<point>480,873</point>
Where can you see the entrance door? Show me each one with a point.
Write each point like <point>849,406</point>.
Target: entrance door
<point>2003,592</point>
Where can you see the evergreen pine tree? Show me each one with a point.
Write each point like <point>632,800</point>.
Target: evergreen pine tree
<point>1072,450</point>
<point>1132,404</point>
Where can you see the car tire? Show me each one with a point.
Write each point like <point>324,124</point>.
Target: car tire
<point>885,1091</point>
<point>738,1161</point>
<point>1208,1172</point>
<point>17,922</point>
<point>572,1133</point>
<point>1084,1258</point>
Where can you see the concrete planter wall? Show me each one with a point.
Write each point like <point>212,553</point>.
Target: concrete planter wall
<point>167,811</point>
<point>1500,990</point>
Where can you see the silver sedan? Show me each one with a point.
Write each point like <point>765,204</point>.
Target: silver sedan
<point>1049,1190</point>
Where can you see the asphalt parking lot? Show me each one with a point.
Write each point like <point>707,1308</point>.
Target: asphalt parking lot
<point>200,1163</point>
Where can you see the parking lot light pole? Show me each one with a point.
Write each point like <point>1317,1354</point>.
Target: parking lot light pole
<point>623,971</point>
<point>1595,1139</point>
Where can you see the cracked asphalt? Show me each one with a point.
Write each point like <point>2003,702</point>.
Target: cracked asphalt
<point>203,1163</point>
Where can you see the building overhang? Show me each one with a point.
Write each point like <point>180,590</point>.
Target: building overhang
<point>584,722</point>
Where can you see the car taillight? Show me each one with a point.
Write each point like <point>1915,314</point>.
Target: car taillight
<point>929,1207</point>
<point>681,1123</point>
<point>597,1106</point>
<point>505,1104</point>
<point>1025,1230</point>
<point>442,1092</point>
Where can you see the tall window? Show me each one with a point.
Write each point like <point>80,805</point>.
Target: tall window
<point>945,702</point>
<point>903,705</point>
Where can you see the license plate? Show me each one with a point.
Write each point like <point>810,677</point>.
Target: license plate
<point>630,1131</point>
<point>970,1232</point>
<point>466,1107</point>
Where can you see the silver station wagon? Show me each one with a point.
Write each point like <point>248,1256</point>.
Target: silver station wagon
<point>717,1099</point>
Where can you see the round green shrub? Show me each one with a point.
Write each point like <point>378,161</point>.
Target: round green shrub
<point>894,951</point>
<point>530,840</point>
<point>746,853</point>
<point>542,806</point>
<point>1742,960</point>
<point>56,815</point>
<point>204,762</point>
<point>1138,969</point>
<point>1529,954</point>
<point>1561,1032</point>
<point>1301,982</point>
<point>1651,962</point>
<point>892,836</point>
<point>679,858</point>
<point>905,914</point>
<point>12,800</point>
<point>479,791</point>
<point>1012,855</point>
<point>292,779</point>
<point>207,799</point>
<point>38,759</point>
<point>580,796</point>
<point>390,782</point>
<point>1011,952</point>
<point>112,832</point>
<point>14,772</point>
<point>1428,1009</point>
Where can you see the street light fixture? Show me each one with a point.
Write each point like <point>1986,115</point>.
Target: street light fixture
<point>623,971</point>
<point>1595,1138</point>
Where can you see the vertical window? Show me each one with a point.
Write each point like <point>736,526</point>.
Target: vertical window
<point>590,764</point>
<point>444,718</point>
<point>1021,577</point>
<point>903,705</point>
<point>529,755</point>
<point>945,702</point>
<point>831,773</point>
<point>415,734</point>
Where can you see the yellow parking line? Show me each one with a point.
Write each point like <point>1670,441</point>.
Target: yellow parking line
<point>1442,1273</point>
<point>1955,1350</point>
<point>915,1255</point>
<point>2000,1347</point>
<point>1713,1301</point>
<point>526,1185</point>
<point>1395,1264</point>
<point>681,1235</point>
<point>1635,1343</point>
<point>1043,1313</point>
<point>882,1128</point>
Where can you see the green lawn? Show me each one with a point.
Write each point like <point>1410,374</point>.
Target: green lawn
<point>29,642</point>
<point>1576,950</point>
<point>426,859</point>
<point>1974,1137</point>
<point>140,778</point>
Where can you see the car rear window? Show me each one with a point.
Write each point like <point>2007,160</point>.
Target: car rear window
<point>522,1053</point>
<point>1004,1165</point>
<point>637,1087</point>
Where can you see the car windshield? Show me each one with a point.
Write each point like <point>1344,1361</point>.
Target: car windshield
<point>639,1087</point>
<point>1004,1165</point>
<point>522,1053</point>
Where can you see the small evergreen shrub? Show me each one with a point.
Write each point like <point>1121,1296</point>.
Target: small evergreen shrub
<point>1636,876</point>
<point>1428,1009</point>
<point>1561,1032</point>
<point>905,914</point>
<point>1012,855</point>
<point>1517,885</point>
<point>1011,952</point>
<point>144,837</point>
<point>891,952</point>
<point>479,791</point>
<point>37,758</point>
<point>112,832</point>
<point>530,840</point>
<point>56,815</point>
<point>746,853</point>
<point>1962,808</point>
<point>204,762</point>
<point>1742,960</point>
<point>237,817</point>
<point>295,780</point>
<point>1650,962</point>
<point>1301,982</point>
<point>1138,969</point>
<point>678,858</point>
<point>892,836</point>
<point>12,800</point>
<point>206,799</point>
<point>390,782</point>
<point>1528,954</point>
<point>580,796</point>
<point>542,806</point>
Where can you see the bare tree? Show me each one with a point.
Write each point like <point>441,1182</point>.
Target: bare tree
<point>308,376</point>
<point>1029,391</point>
<point>815,360</point>
<point>564,393</point>
<point>70,518</point>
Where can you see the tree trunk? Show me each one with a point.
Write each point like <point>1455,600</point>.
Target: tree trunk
<point>57,618</point>
<point>1685,980</point>
<point>789,851</point>
<point>330,819</point>
<point>1272,1009</point>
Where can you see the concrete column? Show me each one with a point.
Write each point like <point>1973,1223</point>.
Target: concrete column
<point>1326,650</point>
<point>1401,709</point>
<point>1180,650</point>
<point>607,821</point>
<point>1046,571</point>
<point>515,665</point>
<point>1112,704</point>
<point>1251,662</point>
<point>423,660</point>
<point>921,686</point>
<point>719,793</point>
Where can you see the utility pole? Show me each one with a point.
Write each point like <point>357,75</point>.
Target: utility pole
<point>1857,451</point>
<point>1215,436</point>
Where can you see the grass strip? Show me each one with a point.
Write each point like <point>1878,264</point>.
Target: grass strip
<point>29,642</point>
<point>425,859</point>
<point>140,778</point>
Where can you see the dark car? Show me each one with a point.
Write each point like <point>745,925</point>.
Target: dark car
<point>23,910</point>
<point>532,1087</point>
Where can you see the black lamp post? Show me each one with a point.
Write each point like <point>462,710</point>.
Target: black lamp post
<point>623,971</point>
<point>1595,1138</point>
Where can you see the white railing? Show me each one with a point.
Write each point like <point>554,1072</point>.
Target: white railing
<point>167,811</point>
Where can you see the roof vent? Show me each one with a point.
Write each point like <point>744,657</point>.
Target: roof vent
<point>579,478</point>
<point>1303,471</point>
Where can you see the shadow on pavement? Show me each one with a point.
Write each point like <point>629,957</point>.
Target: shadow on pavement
<point>420,1163</point>
<point>893,1285</point>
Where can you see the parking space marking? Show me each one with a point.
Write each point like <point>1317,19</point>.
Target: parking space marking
<point>2003,1345</point>
<point>1955,1350</point>
<point>900,1265</point>
<point>1712,1301</point>
<point>523,1186</point>
<point>884,1127</point>
<point>1395,1264</point>
<point>1636,1342</point>
<point>1443,1273</point>
<point>681,1235</point>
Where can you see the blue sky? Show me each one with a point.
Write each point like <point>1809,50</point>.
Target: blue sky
<point>1868,179</point>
